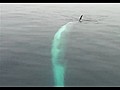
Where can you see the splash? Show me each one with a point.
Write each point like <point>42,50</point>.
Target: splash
<point>57,51</point>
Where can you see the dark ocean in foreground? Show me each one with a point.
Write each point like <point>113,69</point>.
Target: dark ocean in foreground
<point>93,46</point>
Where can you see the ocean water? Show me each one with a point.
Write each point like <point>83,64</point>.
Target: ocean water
<point>93,46</point>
